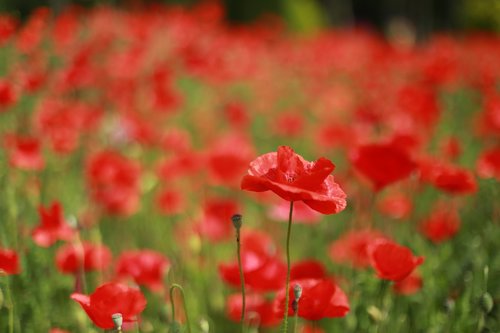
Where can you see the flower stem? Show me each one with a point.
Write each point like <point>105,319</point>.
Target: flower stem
<point>287,284</point>
<point>242,279</point>
<point>177,286</point>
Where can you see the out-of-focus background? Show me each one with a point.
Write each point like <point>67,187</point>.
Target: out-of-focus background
<point>424,16</point>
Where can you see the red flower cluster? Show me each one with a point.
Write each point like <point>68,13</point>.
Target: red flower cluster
<point>145,267</point>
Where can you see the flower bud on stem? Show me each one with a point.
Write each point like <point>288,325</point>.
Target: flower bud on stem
<point>297,292</point>
<point>237,222</point>
<point>118,321</point>
<point>175,324</point>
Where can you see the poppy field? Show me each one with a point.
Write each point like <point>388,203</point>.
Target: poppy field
<point>163,171</point>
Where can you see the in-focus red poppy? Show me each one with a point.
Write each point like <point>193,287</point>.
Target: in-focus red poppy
<point>392,261</point>
<point>295,179</point>
<point>71,258</point>
<point>263,270</point>
<point>24,152</point>
<point>442,224</point>
<point>9,262</point>
<point>216,223</point>
<point>396,205</point>
<point>111,298</point>
<point>146,267</point>
<point>258,310</point>
<point>352,247</point>
<point>321,298</point>
<point>409,285</point>
<point>302,213</point>
<point>488,164</point>
<point>52,227</point>
<point>114,182</point>
<point>383,164</point>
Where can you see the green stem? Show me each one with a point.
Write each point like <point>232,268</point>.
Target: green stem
<point>287,285</point>
<point>177,286</point>
<point>296,320</point>
<point>242,279</point>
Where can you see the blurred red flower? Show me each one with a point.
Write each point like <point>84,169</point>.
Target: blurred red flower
<point>442,224</point>
<point>7,95</point>
<point>302,213</point>
<point>409,285</point>
<point>396,205</point>
<point>52,226</point>
<point>170,202</point>
<point>488,164</point>
<point>70,258</point>
<point>216,223</point>
<point>321,298</point>
<point>9,262</point>
<point>308,269</point>
<point>114,182</point>
<point>447,177</point>
<point>258,310</point>
<point>146,267</point>
<point>263,270</point>
<point>352,247</point>
<point>295,179</point>
<point>111,298</point>
<point>24,152</point>
<point>383,164</point>
<point>392,261</point>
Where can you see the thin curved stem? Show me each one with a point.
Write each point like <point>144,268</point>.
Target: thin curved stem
<point>287,285</point>
<point>296,319</point>
<point>242,279</point>
<point>179,287</point>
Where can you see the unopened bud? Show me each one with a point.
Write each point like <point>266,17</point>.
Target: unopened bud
<point>486,302</point>
<point>236,218</point>
<point>297,291</point>
<point>375,314</point>
<point>117,320</point>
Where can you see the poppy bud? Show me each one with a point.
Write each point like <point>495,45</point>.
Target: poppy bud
<point>236,219</point>
<point>486,303</point>
<point>297,291</point>
<point>117,320</point>
<point>375,314</point>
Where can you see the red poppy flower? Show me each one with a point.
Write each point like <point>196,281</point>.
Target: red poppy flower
<point>111,298</point>
<point>114,182</point>
<point>383,164</point>
<point>8,26</point>
<point>289,124</point>
<point>52,226</point>
<point>352,247</point>
<point>70,258</point>
<point>442,224</point>
<point>392,261</point>
<point>7,95</point>
<point>302,213</point>
<point>451,148</point>
<point>307,269</point>
<point>236,114</point>
<point>258,310</point>
<point>262,269</point>
<point>311,329</point>
<point>295,179</point>
<point>170,202</point>
<point>447,177</point>
<point>320,298</point>
<point>216,224</point>
<point>488,164</point>
<point>409,285</point>
<point>229,158</point>
<point>9,262</point>
<point>24,152</point>
<point>396,206</point>
<point>146,267</point>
